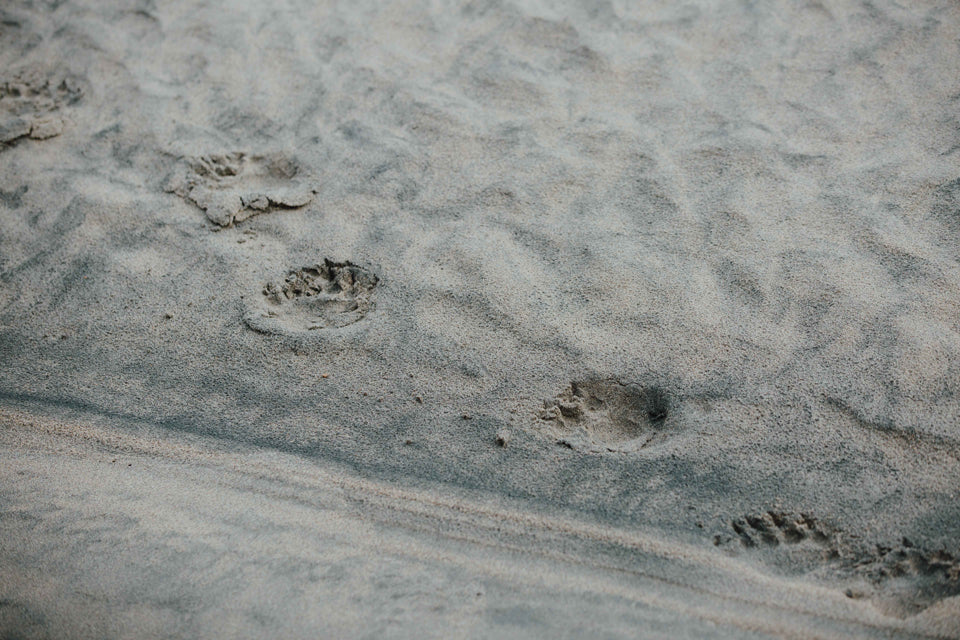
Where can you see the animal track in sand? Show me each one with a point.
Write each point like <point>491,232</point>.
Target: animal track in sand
<point>773,527</point>
<point>902,580</point>
<point>32,105</point>
<point>607,415</point>
<point>324,296</point>
<point>232,187</point>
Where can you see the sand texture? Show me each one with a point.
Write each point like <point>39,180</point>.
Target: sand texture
<point>479,319</point>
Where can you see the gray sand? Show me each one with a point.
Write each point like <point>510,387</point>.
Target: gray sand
<point>480,319</point>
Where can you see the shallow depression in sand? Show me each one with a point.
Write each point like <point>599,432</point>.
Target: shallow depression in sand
<point>232,187</point>
<point>607,415</point>
<point>33,102</point>
<point>329,295</point>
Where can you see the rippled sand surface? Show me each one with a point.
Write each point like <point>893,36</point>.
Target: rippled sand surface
<point>479,319</point>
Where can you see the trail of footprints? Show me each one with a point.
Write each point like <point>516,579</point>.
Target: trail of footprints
<point>232,187</point>
<point>901,579</point>
<point>606,415</point>
<point>32,104</point>
<point>592,415</point>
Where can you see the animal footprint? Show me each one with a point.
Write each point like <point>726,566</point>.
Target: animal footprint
<point>607,415</point>
<point>773,528</point>
<point>325,296</point>
<point>902,580</point>
<point>32,104</point>
<point>232,187</point>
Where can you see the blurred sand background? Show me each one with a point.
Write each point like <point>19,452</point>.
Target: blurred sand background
<point>489,319</point>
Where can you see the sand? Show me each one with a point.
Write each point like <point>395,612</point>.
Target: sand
<point>482,319</point>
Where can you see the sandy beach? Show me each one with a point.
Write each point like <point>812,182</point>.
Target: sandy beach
<point>479,319</point>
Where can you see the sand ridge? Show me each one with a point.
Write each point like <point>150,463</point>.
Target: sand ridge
<point>678,578</point>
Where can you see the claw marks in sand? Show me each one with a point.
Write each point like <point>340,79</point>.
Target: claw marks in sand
<point>901,579</point>
<point>32,104</point>
<point>325,296</point>
<point>774,528</point>
<point>607,415</point>
<point>232,187</point>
